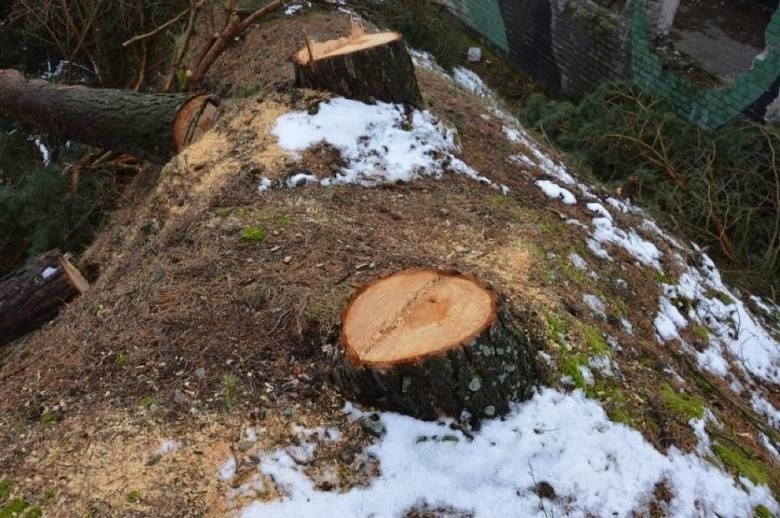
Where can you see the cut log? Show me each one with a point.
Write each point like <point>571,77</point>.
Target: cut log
<point>366,67</point>
<point>428,343</point>
<point>34,294</point>
<point>148,126</point>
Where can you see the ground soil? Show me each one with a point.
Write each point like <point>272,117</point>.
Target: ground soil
<point>191,333</point>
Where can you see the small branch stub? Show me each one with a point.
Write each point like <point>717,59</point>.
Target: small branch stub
<point>428,343</point>
<point>366,67</point>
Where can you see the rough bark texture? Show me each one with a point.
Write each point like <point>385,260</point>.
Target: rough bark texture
<point>481,377</point>
<point>138,124</point>
<point>381,73</point>
<point>34,294</point>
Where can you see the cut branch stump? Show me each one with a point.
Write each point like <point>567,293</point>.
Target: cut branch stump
<point>428,343</point>
<point>34,294</point>
<point>148,126</point>
<point>366,67</point>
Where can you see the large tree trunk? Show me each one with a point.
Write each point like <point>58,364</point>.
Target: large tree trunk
<point>34,294</point>
<point>366,67</point>
<point>149,126</point>
<point>428,343</point>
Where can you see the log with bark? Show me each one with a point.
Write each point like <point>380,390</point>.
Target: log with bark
<point>366,67</point>
<point>35,294</point>
<point>428,343</point>
<point>148,126</point>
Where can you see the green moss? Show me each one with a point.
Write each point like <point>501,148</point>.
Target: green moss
<point>701,332</point>
<point>253,234</point>
<point>48,417</point>
<point>122,360</point>
<point>557,328</point>
<point>5,490</point>
<point>549,276</point>
<point>497,200</point>
<point>146,401</point>
<point>570,366</point>
<point>761,511</point>
<point>134,497</point>
<point>682,404</point>
<point>719,295</point>
<point>738,461</point>
<point>595,342</point>
<point>14,508</point>
<point>246,90</point>
<point>231,386</point>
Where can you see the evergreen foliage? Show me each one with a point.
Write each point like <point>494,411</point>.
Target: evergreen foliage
<point>719,188</point>
<point>39,208</point>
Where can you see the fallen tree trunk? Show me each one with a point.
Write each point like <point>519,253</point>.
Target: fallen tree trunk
<point>148,126</point>
<point>34,294</point>
<point>366,67</point>
<point>428,343</point>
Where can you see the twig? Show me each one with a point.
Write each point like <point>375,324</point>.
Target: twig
<point>234,27</point>
<point>164,26</point>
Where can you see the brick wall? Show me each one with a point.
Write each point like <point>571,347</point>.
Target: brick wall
<point>572,46</point>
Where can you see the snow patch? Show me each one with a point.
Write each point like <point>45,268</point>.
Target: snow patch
<point>379,142</point>
<point>595,466</point>
<point>553,190</point>
<point>605,231</point>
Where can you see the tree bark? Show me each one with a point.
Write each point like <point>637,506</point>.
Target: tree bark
<point>34,294</point>
<point>428,343</point>
<point>366,67</point>
<point>148,126</point>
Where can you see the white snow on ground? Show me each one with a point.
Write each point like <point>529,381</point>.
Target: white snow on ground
<point>578,262</point>
<point>378,142</point>
<point>48,272</point>
<point>605,232</point>
<point>595,304</point>
<point>45,153</point>
<point>294,8</point>
<point>471,82</point>
<point>732,328</point>
<point>265,184</point>
<point>228,469</point>
<point>769,446</point>
<point>553,190</point>
<point>169,446</point>
<point>765,408</point>
<point>595,467</point>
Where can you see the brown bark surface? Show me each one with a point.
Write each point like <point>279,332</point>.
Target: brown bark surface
<point>429,343</point>
<point>35,294</point>
<point>366,67</point>
<point>142,125</point>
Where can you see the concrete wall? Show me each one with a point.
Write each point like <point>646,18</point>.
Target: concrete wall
<point>572,46</point>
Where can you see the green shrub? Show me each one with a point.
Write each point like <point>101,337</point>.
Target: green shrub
<point>38,208</point>
<point>720,189</point>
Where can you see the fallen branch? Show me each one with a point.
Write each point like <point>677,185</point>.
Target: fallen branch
<point>150,126</point>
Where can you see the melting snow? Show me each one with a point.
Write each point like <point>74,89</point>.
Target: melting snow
<point>169,446</point>
<point>606,232</point>
<point>553,190</point>
<point>378,142</point>
<point>471,82</point>
<point>595,304</point>
<point>764,407</point>
<point>48,272</point>
<point>731,326</point>
<point>595,467</point>
<point>578,262</point>
<point>228,469</point>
